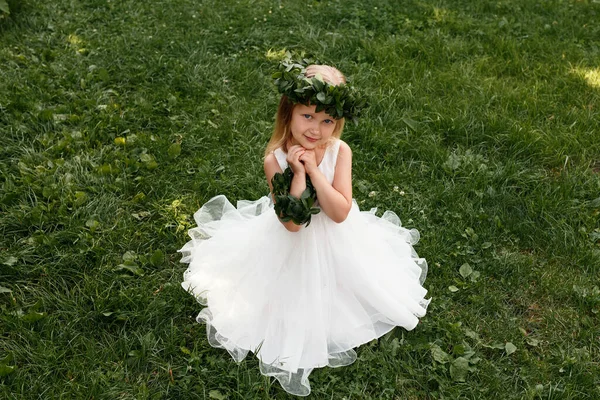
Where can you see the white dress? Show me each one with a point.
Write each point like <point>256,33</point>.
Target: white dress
<point>301,300</point>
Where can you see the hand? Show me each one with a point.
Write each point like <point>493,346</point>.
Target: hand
<point>293,158</point>
<point>309,159</point>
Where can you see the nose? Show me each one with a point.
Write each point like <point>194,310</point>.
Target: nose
<point>315,127</point>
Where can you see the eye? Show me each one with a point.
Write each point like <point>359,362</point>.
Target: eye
<point>328,121</point>
<point>307,116</point>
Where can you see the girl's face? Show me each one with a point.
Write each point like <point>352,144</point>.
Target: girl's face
<point>311,129</point>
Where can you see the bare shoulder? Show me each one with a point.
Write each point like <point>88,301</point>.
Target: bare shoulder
<point>344,148</point>
<point>345,152</point>
<point>270,161</point>
<point>271,166</point>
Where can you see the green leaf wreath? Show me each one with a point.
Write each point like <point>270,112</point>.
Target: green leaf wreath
<point>339,101</point>
<point>288,207</point>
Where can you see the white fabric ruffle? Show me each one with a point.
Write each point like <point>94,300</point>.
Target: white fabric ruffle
<point>301,300</point>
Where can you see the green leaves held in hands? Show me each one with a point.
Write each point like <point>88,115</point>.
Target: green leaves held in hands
<point>339,101</point>
<point>290,208</point>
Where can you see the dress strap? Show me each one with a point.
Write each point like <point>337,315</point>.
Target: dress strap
<point>327,166</point>
<point>281,158</point>
<point>334,149</point>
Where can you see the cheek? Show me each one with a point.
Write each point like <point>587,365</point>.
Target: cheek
<point>298,123</point>
<point>295,126</point>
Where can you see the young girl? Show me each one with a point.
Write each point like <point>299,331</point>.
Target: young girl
<point>303,296</point>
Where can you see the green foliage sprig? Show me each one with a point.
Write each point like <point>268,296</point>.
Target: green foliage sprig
<point>290,208</point>
<point>339,101</point>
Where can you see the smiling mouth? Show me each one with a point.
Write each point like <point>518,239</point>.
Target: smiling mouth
<point>311,139</point>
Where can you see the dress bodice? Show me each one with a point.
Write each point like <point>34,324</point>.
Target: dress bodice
<point>327,165</point>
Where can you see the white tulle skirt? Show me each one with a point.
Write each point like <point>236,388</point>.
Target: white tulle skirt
<point>301,300</point>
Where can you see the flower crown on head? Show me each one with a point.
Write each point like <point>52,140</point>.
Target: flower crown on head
<point>339,101</point>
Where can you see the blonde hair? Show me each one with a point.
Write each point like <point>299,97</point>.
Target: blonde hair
<point>281,132</point>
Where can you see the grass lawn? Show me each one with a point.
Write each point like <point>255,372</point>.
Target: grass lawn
<point>120,118</point>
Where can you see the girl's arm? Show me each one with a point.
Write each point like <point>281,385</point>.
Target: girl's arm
<point>335,199</point>
<point>298,185</point>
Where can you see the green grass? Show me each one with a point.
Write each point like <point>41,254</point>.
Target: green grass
<point>484,114</point>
